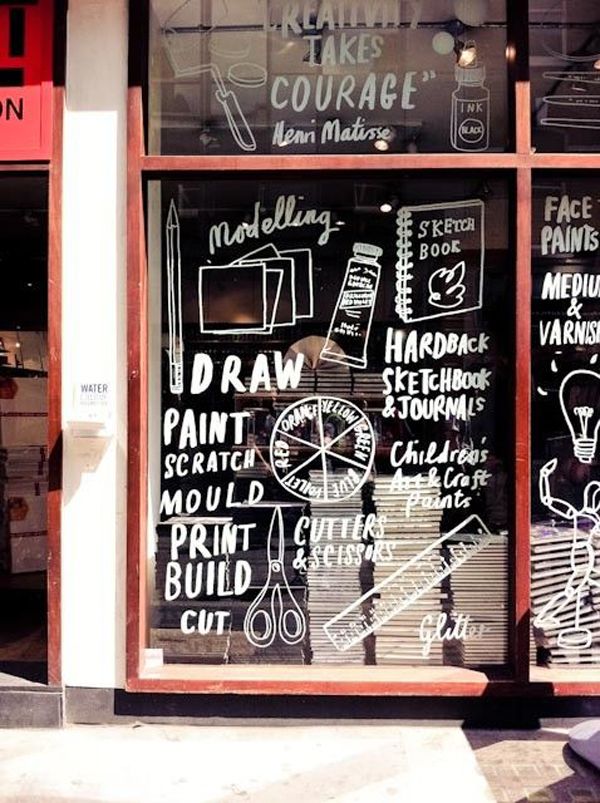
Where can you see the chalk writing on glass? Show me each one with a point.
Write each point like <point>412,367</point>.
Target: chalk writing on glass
<point>327,435</point>
<point>355,308</point>
<point>458,472</point>
<point>275,612</point>
<point>436,393</point>
<point>442,627</point>
<point>292,18</point>
<point>200,568</point>
<point>337,37</point>
<point>572,329</point>
<point>364,616</point>
<point>584,575</point>
<point>286,214</point>
<point>441,256</point>
<point>567,228</point>
<point>340,541</point>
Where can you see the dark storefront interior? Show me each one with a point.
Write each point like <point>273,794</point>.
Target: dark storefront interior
<point>23,426</point>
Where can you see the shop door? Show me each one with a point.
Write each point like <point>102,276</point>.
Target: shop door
<point>23,427</point>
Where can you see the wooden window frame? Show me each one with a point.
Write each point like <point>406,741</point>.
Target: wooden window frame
<point>48,162</point>
<point>399,680</point>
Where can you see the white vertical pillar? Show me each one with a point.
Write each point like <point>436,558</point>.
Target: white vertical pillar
<point>94,341</point>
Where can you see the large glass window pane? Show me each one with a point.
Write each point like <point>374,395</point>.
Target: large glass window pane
<point>565,570</point>
<point>565,74</point>
<point>327,76</point>
<point>331,428</point>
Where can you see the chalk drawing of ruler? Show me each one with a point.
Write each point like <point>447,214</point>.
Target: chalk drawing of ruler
<point>353,624</point>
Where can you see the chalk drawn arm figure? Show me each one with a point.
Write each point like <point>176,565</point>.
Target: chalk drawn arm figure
<point>582,559</point>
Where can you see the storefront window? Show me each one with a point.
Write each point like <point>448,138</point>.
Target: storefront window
<point>331,428</point>
<point>565,75</point>
<point>565,538</point>
<point>266,76</point>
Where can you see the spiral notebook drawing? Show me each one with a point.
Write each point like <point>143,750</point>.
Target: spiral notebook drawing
<point>441,256</point>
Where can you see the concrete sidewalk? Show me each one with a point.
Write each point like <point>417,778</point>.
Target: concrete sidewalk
<point>289,763</point>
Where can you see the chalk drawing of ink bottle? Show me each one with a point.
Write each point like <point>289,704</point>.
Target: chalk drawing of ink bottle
<point>351,322</point>
<point>470,119</point>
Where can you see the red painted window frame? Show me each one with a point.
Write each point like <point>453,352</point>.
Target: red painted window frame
<point>518,165</point>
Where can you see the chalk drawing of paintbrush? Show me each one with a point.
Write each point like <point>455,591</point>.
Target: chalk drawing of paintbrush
<point>238,125</point>
<point>173,240</point>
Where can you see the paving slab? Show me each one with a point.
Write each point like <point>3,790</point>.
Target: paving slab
<point>350,763</point>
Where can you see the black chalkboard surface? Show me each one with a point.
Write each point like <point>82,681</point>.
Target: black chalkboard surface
<point>566,420</point>
<point>565,75</point>
<point>335,467</point>
<point>266,77</point>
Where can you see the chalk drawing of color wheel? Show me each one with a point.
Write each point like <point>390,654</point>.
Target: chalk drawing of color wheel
<point>322,449</point>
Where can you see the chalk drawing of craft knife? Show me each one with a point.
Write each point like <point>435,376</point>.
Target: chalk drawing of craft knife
<point>175,316</point>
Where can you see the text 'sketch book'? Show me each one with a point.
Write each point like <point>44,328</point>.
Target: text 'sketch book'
<point>440,259</point>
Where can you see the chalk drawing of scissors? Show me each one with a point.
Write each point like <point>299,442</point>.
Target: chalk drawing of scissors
<point>275,611</point>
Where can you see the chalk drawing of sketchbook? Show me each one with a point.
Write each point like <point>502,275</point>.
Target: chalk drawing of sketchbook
<point>256,293</point>
<point>440,259</point>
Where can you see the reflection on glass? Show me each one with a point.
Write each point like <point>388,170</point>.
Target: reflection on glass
<point>261,76</point>
<point>333,481</point>
<point>565,537</point>
<point>565,75</point>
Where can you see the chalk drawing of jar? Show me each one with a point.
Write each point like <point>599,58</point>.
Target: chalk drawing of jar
<point>470,117</point>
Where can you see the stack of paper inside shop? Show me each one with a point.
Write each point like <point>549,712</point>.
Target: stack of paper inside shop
<point>479,591</point>
<point>409,533</point>
<point>333,578</point>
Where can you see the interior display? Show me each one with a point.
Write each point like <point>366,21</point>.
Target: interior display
<point>565,75</point>
<point>565,544</point>
<point>265,76</point>
<point>335,418</point>
<point>24,454</point>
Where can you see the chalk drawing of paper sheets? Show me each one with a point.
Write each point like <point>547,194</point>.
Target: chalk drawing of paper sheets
<point>284,313</point>
<point>238,299</point>
<point>296,299</point>
<point>257,292</point>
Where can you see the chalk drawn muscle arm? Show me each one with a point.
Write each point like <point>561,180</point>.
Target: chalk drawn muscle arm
<point>561,507</point>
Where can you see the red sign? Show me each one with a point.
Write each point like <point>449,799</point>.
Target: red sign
<point>26,36</point>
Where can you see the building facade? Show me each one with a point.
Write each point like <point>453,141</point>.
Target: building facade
<point>299,368</point>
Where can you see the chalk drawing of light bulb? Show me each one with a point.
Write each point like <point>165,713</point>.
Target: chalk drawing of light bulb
<point>579,396</point>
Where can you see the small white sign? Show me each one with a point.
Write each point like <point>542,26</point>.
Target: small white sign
<point>92,403</point>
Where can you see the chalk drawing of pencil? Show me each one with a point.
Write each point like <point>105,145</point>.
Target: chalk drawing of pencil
<point>173,239</point>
